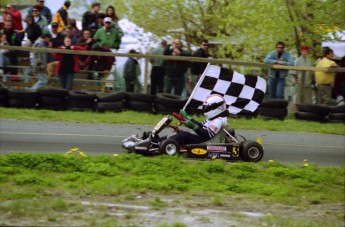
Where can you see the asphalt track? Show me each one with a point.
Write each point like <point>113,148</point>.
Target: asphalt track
<point>105,139</point>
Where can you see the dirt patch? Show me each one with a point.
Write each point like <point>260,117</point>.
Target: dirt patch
<point>178,210</point>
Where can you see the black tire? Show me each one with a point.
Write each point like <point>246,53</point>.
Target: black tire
<point>130,96</point>
<point>23,95</point>
<point>53,92</point>
<point>112,97</point>
<point>3,91</point>
<point>321,110</point>
<point>251,151</point>
<point>82,96</point>
<point>3,100</point>
<point>81,105</point>
<point>163,109</point>
<point>52,103</point>
<point>273,112</point>
<point>338,109</point>
<point>171,100</point>
<point>309,116</point>
<point>169,147</point>
<point>110,106</point>
<point>337,117</point>
<point>139,106</point>
<point>16,103</point>
<point>275,103</point>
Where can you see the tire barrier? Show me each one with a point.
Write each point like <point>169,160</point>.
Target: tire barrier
<point>337,114</point>
<point>22,99</point>
<point>3,97</point>
<point>52,98</point>
<point>168,103</point>
<point>312,112</point>
<point>163,103</point>
<point>114,102</point>
<point>273,109</point>
<point>81,101</point>
<point>139,102</point>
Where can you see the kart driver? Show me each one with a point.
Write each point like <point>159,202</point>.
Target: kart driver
<point>215,111</point>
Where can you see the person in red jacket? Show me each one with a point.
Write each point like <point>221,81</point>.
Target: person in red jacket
<point>68,64</point>
<point>103,64</point>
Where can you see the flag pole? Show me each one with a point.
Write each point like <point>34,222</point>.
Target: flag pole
<point>197,85</point>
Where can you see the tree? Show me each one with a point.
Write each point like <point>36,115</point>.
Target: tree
<point>246,29</point>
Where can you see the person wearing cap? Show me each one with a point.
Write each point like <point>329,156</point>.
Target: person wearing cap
<point>44,10</point>
<point>61,16</point>
<point>108,36</point>
<point>39,62</point>
<point>303,79</point>
<point>57,37</point>
<point>89,19</point>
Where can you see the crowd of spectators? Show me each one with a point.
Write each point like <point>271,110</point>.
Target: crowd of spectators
<point>100,32</point>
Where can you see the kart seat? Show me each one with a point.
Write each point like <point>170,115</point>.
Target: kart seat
<point>221,137</point>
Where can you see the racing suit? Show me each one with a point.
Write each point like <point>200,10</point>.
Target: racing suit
<point>206,131</point>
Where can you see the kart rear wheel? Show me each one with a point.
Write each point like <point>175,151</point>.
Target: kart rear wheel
<point>169,147</point>
<point>251,151</point>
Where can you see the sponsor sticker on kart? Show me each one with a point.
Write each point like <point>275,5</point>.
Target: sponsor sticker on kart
<point>213,155</point>
<point>141,148</point>
<point>235,151</point>
<point>198,151</point>
<point>159,125</point>
<point>225,155</point>
<point>216,148</point>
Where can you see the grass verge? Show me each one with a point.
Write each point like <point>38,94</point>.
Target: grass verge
<point>131,117</point>
<point>28,179</point>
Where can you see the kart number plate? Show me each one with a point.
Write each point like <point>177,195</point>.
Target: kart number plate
<point>159,125</point>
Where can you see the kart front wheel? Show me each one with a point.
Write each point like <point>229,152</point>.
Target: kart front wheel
<point>169,147</point>
<point>251,151</point>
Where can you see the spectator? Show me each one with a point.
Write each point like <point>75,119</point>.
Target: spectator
<point>277,76</point>
<point>68,64</point>
<point>175,70</point>
<point>86,41</point>
<point>131,72</point>
<point>44,11</point>
<point>110,12</point>
<point>38,18</point>
<point>304,79</point>
<point>14,15</point>
<point>339,84</point>
<point>100,20</point>
<point>4,60</point>
<point>61,16</point>
<point>158,70</point>
<point>12,40</point>
<point>1,22</point>
<point>76,31</point>
<point>108,36</point>
<point>69,33</point>
<point>100,63</point>
<point>57,37</point>
<point>197,68</point>
<point>40,61</point>
<point>89,20</point>
<point>32,30</point>
<point>325,80</point>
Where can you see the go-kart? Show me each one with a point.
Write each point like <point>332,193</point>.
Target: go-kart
<point>225,145</point>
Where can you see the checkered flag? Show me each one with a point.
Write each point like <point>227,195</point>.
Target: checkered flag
<point>242,94</point>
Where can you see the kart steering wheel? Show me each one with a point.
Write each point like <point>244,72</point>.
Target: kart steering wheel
<point>178,117</point>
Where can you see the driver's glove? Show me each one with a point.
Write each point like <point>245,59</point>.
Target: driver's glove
<point>190,124</point>
<point>184,115</point>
